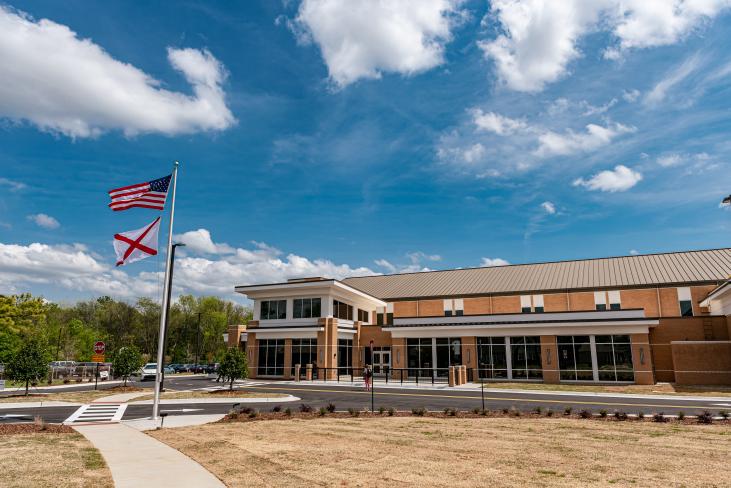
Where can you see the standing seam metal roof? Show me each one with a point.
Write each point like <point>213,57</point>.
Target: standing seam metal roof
<point>706,266</point>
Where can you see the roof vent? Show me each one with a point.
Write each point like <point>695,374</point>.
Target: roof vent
<point>305,280</point>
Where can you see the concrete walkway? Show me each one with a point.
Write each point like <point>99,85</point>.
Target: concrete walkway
<point>137,459</point>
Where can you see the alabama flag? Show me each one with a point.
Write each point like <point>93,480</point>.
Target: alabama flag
<point>138,244</point>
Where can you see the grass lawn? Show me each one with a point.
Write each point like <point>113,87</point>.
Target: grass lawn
<point>176,395</point>
<point>454,452</point>
<point>660,389</point>
<point>69,396</point>
<point>51,459</point>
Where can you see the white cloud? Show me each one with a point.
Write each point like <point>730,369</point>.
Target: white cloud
<point>590,109</point>
<point>490,262</point>
<point>14,185</point>
<point>200,241</point>
<point>554,144</point>
<point>496,123</point>
<point>367,38</point>
<point>65,84</point>
<point>75,268</point>
<point>621,178</point>
<point>633,252</point>
<point>414,266</point>
<point>45,221</point>
<point>474,153</point>
<point>677,75</point>
<point>631,96</point>
<point>549,207</point>
<point>670,160</point>
<point>538,38</point>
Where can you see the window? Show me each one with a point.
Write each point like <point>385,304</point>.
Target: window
<point>449,353</point>
<point>304,352</point>
<point>345,356</point>
<point>342,310</point>
<point>419,357</point>
<point>271,357</point>
<point>389,313</point>
<point>600,300</point>
<point>492,361</point>
<point>458,307</point>
<point>364,316</point>
<point>614,301</point>
<point>305,308</point>
<point>448,308</point>
<point>538,303</point>
<point>453,307</point>
<point>574,358</point>
<point>525,354</point>
<point>380,312</point>
<point>686,304</point>
<point>614,358</point>
<point>525,305</point>
<point>273,309</point>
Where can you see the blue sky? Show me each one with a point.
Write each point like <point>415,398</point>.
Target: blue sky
<point>318,138</point>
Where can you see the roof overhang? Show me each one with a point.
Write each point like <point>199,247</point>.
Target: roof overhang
<point>296,287</point>
<point>717,293</point>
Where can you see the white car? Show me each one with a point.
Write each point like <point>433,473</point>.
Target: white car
<point>149,370</point>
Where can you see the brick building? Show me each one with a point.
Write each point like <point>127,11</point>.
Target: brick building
<point>631,319</point>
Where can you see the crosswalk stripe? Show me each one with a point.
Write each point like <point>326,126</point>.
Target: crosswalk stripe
<point>108,412</point>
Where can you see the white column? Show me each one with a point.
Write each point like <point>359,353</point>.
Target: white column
<point>508,358</point>
<point>594,362</point>
<point>326,303</point>
<point>434,357</point>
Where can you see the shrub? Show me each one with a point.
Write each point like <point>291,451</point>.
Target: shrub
<point>246,410</point>
<point>659,417</point>
<point>567,410</point>
<point>304,408</point>
<point>421,411</point>
<point>585,414</point>
<point>391,411</point>
<point>66,381</point>
<point>484,412</point>
<point>723,414</point>
<point>452,412</point>
<point>705,418</point>
<point>505,411</point>
<point>681,415</point>
<point>381,409</point>
<point>603,413</point>
<point>353,412</point>
<point>549,412</point>
<point>537,410</point>
<point>253,414</point>
<point>476,411</point>
<point>277,408</point>
<point>330,407</point>
<point>125,361</point>
<point>620,415</point>
<point>514,412</point>
<point>446,410</point>
<point>322,411</point>
<point>288,412</point>
<point>234,366</point>
<point>640,415</point>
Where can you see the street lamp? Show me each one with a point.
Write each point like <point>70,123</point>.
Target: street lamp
<point>167,314</point>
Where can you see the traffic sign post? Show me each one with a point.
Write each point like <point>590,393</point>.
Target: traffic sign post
<point>99,347</point>
<point>98,357</point>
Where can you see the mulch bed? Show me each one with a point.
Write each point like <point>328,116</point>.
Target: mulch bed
<point>12,429</point>
<point>247,414</point>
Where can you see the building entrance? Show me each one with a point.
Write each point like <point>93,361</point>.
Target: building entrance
<point>382,361</point>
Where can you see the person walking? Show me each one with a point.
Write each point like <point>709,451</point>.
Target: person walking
<point>367,377</point>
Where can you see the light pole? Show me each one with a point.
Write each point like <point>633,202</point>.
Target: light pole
<point>167,315</point>
<point>197,342</point>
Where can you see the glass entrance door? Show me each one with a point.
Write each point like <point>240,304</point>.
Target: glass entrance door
<point>381,362</point>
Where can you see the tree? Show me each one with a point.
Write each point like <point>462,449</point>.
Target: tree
<point>126,361</point>
<point>29,363</point>
<point>234,366</point>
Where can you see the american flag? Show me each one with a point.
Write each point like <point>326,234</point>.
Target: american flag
<point>145,195</point>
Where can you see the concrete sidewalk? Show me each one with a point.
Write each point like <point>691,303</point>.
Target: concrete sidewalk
<point>137,459</point>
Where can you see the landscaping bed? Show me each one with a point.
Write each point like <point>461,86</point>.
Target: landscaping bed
<point>181,395</point>
<point>84,396</point>
<point>658,389</point>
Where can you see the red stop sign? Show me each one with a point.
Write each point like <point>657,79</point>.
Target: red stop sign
<point>99,347</point>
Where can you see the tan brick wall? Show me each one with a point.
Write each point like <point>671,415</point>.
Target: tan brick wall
<point>506,304</point>
<point>672,329</point>
<point>469,352</point>
<point>252,346</point>
<point>287,358</point>
<point>234,335</point>
<point>645,299</point>
<point>477,306</point>
<point>697,294</point>
<point>581,301</point>
<point>669,305</point>
<point>549,359</point>
<point>707,363</point>
<point>404,309</point>
<point>555,302</point>
<point>642,359</point>
<point>431,308</point>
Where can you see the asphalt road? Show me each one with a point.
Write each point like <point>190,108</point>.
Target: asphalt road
<point>343,397</point>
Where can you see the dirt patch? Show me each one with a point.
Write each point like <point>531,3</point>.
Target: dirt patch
<point>70,396</point>
<point>54,458</point>
<point>13,429</point>
<point>457,452</point>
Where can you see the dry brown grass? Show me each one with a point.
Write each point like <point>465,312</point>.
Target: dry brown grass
<point>48,459</point>
<point>70,396</point>
<point>177,395</point>
<point>660,389</point>
<point>410,451</point>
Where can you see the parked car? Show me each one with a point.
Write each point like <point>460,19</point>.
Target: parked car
<point>180,368</point>
<point>168,370</point>
<point>148,371</point>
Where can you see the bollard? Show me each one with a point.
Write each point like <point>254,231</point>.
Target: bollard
<point>308,373</point>
<point>297,368</point>
<point>451,376</point>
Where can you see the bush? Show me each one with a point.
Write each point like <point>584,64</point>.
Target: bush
<point>476,410</point>
<point>330,407</point>
<point>277,408</point>
<point>126,361</point>
<point>567,410</point>
<point>620,415</point>
<point>391,411</point>
<point>705,418</point>
<point>484,412</point>
<point>549,412</point>
<point>381,409</point>
<point>723,414</point>
<point>353,412</point>
<point>29,364</point>
<point>446,410</point>
<point>640,415</point>
<point>452,412</point>
<point>659,417</point>
<point>304,408</point>
<point>253,414</point>
<point>603,413</point>
<point>514,412</point>
<point>288,412</point>
<point>681,415</point>
<point>233,366</point>
<point>585,414</point>
<point>537,410</point>
<point>421,411</point>
<point>322,412</point>
<point>66,381</point>
<point>505,411</point>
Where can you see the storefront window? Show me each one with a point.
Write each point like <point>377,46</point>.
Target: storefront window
<point>304,352</point>
<point>574,358</point>
<point>419,356</point>
<point>345,356</point>
<point>449,353</point>
<point>614,358</point>
<point>271,357</point>
<point>492,362</point>
<point>525,354</point>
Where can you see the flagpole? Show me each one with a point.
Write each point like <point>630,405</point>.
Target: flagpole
<point>165,301</point>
